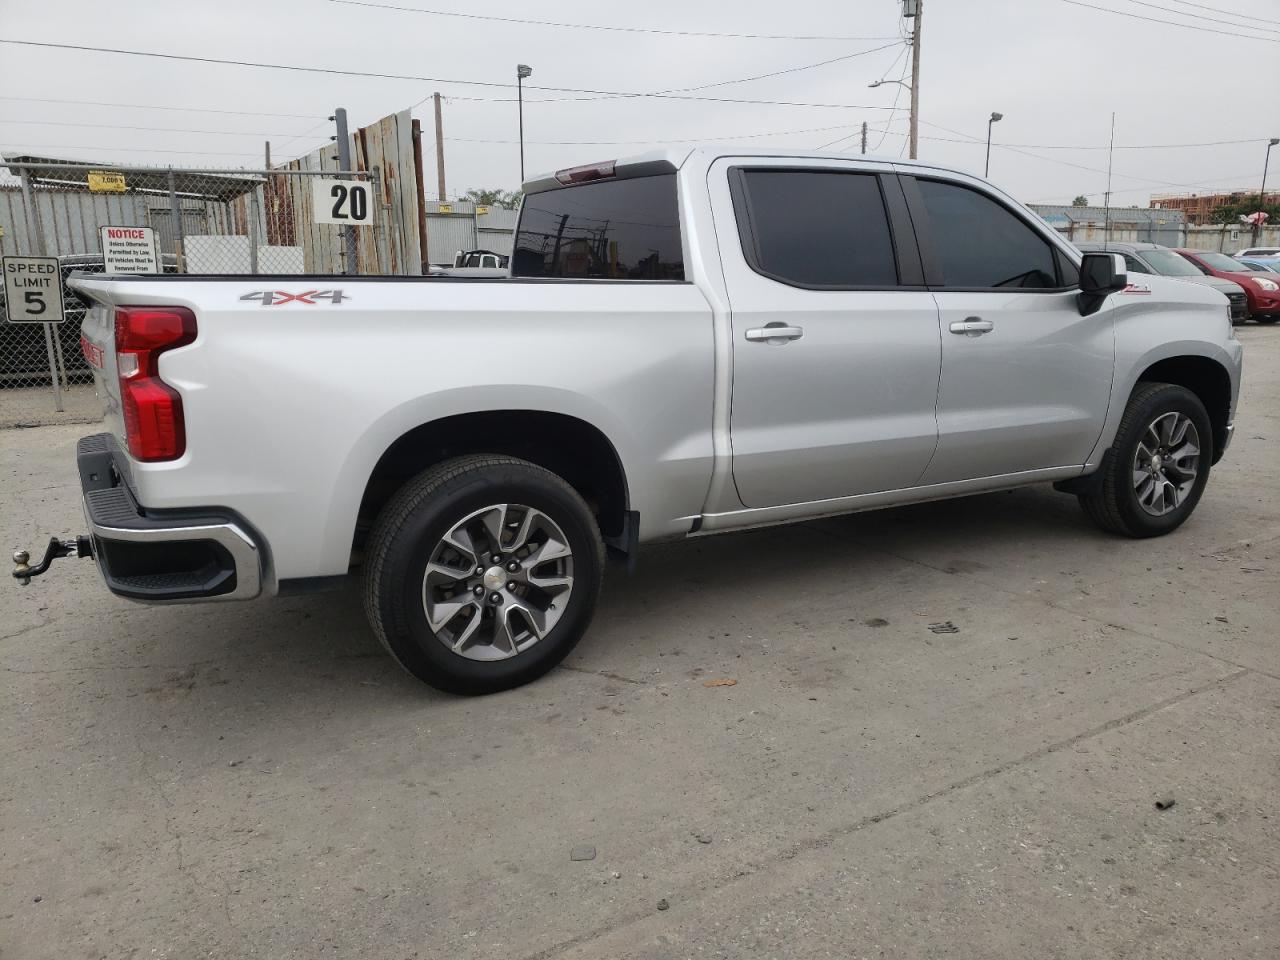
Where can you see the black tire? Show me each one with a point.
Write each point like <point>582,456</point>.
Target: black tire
<point>1112,502</point>
<point>411,526</point>
<point>1269,318</point>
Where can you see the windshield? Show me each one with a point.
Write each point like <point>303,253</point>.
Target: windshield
<point>1169,264</point>
<point>1220,261</point>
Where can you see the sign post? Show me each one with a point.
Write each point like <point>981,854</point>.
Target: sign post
<point>33,294</point>
<point>129,250</point>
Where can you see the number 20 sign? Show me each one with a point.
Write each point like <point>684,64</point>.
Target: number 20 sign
<point>345,202</point>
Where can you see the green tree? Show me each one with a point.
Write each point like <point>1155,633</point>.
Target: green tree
<point>1080,201</point>
<point>507,199</point>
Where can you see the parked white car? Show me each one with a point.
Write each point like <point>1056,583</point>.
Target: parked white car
<point>690,342</point>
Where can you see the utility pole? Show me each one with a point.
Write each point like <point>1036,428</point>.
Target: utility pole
<point>915,8</point>
<point>439,151</point>
<point>1262,194</point>
<point>864,136</point>
<point>344,163</point>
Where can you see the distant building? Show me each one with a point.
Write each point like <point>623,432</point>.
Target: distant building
<point>1199,208</point>
<point>462,225</point>
<point>1119,223</point>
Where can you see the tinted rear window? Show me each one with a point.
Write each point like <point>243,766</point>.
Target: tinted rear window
<point>818,228</point>
<point>613,229</point>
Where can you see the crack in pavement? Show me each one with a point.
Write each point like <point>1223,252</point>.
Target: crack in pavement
<point>826,838</point>
<point>604,673</point>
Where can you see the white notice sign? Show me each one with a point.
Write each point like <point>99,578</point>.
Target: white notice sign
<point>346,202</point>
<point>129,250</point>
<point>32,289</point>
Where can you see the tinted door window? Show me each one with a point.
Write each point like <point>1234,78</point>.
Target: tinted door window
<point>611,229</point>
<point>1134,265</point>
<point>816,228</point>
<point>980,243</point>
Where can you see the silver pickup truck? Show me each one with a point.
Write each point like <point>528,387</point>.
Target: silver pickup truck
<point>688,343</point>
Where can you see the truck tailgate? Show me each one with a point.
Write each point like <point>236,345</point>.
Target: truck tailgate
<point>97,342</point>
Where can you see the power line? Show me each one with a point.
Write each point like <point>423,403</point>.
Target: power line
<point>618,143</point>
<point>888,70</point>
<point>596,26</point>
<point>113,126</point>
<point>100,147</point>
<point>1027,153</point>
<point>1242,16</point>
<point>334,71</point>
<point>152,106</point>
<point>1170,23</point>
<point>1199,16</point>
<point>724,83</point>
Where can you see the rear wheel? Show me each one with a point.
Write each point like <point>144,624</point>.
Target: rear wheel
<point>483,573</point>
<point>1156,471</point>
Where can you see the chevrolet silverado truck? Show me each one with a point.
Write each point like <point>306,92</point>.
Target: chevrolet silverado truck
<point>688,342</point>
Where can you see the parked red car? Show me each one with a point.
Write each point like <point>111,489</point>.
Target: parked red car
<point>1261,289</point>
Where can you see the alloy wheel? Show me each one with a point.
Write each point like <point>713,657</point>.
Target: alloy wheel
<point>498,581</point>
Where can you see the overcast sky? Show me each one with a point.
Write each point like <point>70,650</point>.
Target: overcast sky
<point>1054,69</point>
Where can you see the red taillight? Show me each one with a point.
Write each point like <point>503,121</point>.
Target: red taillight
<point>585,174</point>
<point>152,409</point>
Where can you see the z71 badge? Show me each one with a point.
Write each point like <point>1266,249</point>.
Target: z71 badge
<point>277,298</point>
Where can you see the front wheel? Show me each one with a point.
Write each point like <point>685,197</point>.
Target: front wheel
<point>1155,472</point>
<point>1268,318</point>
<point>483,573</point>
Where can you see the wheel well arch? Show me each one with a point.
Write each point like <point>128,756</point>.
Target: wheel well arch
<point>1208,380</point>
<point>569,447</point>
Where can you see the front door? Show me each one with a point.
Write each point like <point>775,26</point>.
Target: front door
<point>836,350</point>
<point>1026,380</point>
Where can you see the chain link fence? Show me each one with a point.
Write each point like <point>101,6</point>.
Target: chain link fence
<point>96,219</point>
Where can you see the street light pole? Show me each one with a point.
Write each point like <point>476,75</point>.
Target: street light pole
<point>1262,194</point>
<point>522,71</point>
<point>995,118</point>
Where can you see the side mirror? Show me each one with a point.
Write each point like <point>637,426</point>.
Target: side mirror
<point>1101,274</point>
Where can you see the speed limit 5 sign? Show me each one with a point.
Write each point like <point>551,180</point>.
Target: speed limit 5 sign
<point>32,289</point>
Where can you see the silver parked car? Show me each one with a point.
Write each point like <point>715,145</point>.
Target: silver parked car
<point>1166,262</point>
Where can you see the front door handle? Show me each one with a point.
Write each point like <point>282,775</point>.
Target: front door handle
<point>972,326</point>
<point>775,333</point>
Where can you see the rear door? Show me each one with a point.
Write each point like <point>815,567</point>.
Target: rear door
<point>1026,380</point>
<point>836,348</point>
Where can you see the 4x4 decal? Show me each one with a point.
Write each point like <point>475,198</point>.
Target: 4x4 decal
<point>275,298</point>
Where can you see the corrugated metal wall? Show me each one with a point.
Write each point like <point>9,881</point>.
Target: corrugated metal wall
<point>463,229</point>
<point>71,218</point>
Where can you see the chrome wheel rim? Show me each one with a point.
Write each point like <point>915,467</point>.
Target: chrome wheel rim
<point>1166,463</point>
<point>497,582</point>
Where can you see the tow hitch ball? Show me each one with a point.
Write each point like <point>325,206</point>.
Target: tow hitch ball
<point>23,572</point>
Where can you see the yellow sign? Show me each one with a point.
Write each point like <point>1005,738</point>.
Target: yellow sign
<point>481,211</point>
<point>446,208</point>
<point>100,181</point>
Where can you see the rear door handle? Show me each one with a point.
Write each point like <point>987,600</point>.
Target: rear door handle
<point>972,326</point>
<point>775,333</point>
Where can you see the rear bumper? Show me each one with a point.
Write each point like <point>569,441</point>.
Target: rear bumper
<point>162,556</point>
